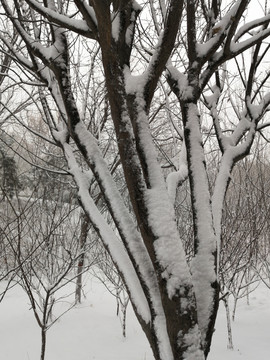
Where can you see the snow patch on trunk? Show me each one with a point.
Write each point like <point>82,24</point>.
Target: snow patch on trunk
<point>192,341</point>
<point>168,247</point>
<point>203,265</point>
<point>115,26</point>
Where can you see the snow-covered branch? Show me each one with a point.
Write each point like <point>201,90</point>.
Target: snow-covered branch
<point>79,26</point>
<point>113,244</point>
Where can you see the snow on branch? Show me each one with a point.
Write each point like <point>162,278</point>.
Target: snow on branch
<point>251,25</point>
<point>178,82</point>
<point>112,243</point>
<point>219,32</point>
<point>125,225</point>
<point>237,48</point>
<point>134,249</point>
<point>79,26</point>
<point>44,53</point>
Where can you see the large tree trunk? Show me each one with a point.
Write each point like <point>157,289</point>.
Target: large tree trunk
<point>146,187</point>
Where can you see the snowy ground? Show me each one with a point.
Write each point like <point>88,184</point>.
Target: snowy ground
<point>93,331</point>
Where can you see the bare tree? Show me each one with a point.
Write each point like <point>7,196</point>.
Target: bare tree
<point>246,215</point>
<point>175,299</point>
<point>44,249</point>
<point>106,272</point>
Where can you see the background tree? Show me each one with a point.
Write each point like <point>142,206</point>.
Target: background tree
<point>42,245</point>
<point>10,182</point>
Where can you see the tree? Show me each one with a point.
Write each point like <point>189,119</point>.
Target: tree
<point>8,167</point>
<point>40,239</point>
<point>245,238</point>
<point>9,177</point>
<point>190,42</point>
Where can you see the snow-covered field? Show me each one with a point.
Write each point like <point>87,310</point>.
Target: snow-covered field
<point>93,331</point>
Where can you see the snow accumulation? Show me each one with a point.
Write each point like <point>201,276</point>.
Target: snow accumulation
<point>136,5</point>
<point>70,22</point>
<point>169,251</point>
<point>92,331</point>
<point>107,234</point>
<point>182,82</point>
<point>192,340</point>
<point>115,26</point>
<point>219,28</point>
<point>203,268</point>
<point>250,25</point>
<point>91,11</point>
<point>256,110</point>
<point>168,248</point>
<point>130,29</point>
<point>237,47</point>
<point>115,246</point>
<point>134,83</point>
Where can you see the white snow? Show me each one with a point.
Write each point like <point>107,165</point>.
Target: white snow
<point>218,30</point>
<point>203,264</point>
<point>115,26</point>
<point>169,252</point>
<point>130,29</point>
<point>92,331</point>
<point>192,340</point>
<point>182,82</point>
<point>136,6</point>
<point>256,110</point>
<point>250,25</point>
<point>134,83</point>
<point>239,47</point>
<point>108,236</point>
<point>71,22</point>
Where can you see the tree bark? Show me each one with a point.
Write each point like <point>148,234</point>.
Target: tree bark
<point>80,267</point>
<point>43,342</point>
